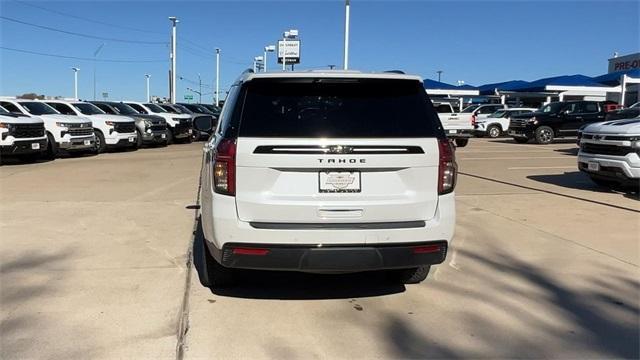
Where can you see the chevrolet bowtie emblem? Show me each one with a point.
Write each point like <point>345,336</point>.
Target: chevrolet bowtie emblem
<point>339,149</point>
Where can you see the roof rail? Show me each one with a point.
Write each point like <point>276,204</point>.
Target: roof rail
<point>395,72</point>
<point>248,71</point>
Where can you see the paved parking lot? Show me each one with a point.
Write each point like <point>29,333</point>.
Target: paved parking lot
<point>95,250</point>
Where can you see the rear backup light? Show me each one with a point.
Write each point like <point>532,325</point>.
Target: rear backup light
<point>426,249</point>
<point>250,251</point>
<point>447,167</point>
<point>224,167</point>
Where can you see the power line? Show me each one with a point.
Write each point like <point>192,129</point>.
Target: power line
<point>81,35</point>
<point>89,20</point>
<point>81,58</point>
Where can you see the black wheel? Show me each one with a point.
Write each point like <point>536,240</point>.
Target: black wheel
<point>169,137</point>
<point>544,135</point>
<point>494,131</point>
<point>412,275</point>
<point>216,275</point>
<point>461,142</point>
<point>139,139</point>
<point>520,140</point>
<point>100,144</point>
<point>52,147</point>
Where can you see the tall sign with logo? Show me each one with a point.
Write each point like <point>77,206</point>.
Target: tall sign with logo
<point>626,62</point>
<point>289,49</point>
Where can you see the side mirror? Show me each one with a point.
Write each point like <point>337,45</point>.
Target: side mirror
<point>203,123</point>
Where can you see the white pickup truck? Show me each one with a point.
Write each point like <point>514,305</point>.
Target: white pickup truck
<point>457,126</point>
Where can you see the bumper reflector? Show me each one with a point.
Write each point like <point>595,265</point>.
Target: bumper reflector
<point>427,249</point>
<point>250,251</point>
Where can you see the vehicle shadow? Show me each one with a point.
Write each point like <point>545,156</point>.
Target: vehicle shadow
<point>569,151</point>
<point>579,181</point>
<point>252,284</point>
<point>601,319</point>
<point>14,160</point>
<point>570,140</point>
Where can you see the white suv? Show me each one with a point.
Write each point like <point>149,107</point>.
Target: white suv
<point>178,125</point>
<point>497,123</point>
<point>328,172</point>
<point>64,132</point>
<point>610,152</point>
<point>21,135</point>
<point>111,131</point>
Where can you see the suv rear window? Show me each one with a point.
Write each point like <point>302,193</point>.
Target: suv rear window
<point>337,108</point>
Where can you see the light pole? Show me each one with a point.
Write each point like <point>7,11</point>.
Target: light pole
<point>147,76</point>
<point>217,76</point>
<point>172,90</point>
<point>268,49</point>
<point>439,74</point>
<point>199,88</point>
<point>75,82</point>
<point>346,34</point>
<point>257,63</point>
<point>284,50</point>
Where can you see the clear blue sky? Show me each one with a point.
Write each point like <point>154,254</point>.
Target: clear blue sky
<point>475,41</point>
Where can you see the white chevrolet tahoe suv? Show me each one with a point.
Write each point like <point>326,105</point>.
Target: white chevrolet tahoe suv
<point>326,172</point>
<point>21,136</point>
<point>64,132</point>
<point>111,131</point>
<point>179,126</point>
<point>610,152</point>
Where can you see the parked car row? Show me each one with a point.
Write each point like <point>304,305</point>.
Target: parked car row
<point>33,129</point>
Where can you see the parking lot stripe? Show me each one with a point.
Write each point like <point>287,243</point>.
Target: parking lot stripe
<point>541,167</point>
<point>549,192</point>
<point>514,158</point>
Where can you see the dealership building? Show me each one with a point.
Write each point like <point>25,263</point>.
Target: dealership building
<point>620,83</point>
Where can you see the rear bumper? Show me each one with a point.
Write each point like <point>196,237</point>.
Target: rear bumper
<point>24,147</point>
<point>459,133</point>
<point>344,258</point>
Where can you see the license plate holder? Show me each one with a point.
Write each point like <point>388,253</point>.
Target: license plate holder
<point>132,139</point>
<point>87,142</point>
<point>164,136</point>
<point>35,146</point>
<point>593,166</point>
<point>453,131</point>
<point>339,181</point>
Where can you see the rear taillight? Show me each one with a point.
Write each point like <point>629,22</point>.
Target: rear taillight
<point>473,120</point>
<point>447,167</point>
<point>224,167</point>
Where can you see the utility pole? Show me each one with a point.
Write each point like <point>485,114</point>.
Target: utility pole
<point>200,88</point>
<point>95,55</point>
<point>268,49</point>
<point>439,74</point>
<point>346,34</point>
<point>147,76</point>
<point>284,50</point>
<point>75,82</point>
<point>172,90</point>
<point>217,76</point>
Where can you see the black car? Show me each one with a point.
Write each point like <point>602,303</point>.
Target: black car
<point>555,120</point>
<point>628,113</point>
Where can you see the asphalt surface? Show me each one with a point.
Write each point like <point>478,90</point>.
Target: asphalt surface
<point>95,254</point>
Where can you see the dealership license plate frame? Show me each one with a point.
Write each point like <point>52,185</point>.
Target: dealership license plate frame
<point>333,176</point>
<point>35,146</point>
<point>593,166</point>
<point>87,142</point>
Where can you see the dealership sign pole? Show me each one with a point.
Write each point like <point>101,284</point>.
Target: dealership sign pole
<point>346,35</point>
<point>172,88</point>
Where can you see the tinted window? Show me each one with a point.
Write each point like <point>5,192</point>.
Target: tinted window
<point>499,114</point>
<point>124,109</point>
<point>337,108</point>
<point>12,108</point>
<point>226,127</point>
<point>590,107</point>
<point>470,108</point>
<point>106,108</point>
<point>169,109</point>
<point>38,108</point>
<point>88,109</point>
<point>3,110</point>
<point>138,108</point>
<point>62,108</point>
<point>443,108</point>
<point>552,108</point>
<point>155,108</point>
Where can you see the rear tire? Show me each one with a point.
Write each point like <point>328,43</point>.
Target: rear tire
<point>461,142</point>
<point>544,135</point>
<point>412,275</point>
<point>494,131</point>
<point>520,140</point>
<point>216,275</point>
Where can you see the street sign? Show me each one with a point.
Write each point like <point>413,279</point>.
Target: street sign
<point>292,52</point>
<point>188,97</point>
<point>105,95</point>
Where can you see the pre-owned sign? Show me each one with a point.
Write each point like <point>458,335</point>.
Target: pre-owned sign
<point>292,51</point>
<point>626,62</point>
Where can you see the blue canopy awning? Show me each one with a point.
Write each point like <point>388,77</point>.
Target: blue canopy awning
<point>613,79</point>
<point>432,84</point>
<point>565,80</point>
<point>489,89</point>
